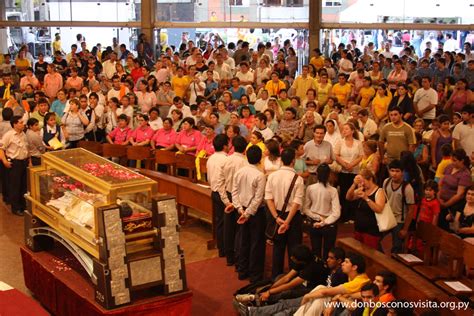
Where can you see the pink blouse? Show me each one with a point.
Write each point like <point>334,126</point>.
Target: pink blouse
<point>142,134</point>
<point>164,138</point>
<point>189,139</point>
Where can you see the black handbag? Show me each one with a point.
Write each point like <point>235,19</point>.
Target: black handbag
<point>272,226</point>
<point>307,223</point>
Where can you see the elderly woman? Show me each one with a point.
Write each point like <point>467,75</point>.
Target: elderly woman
<point>289,125</point>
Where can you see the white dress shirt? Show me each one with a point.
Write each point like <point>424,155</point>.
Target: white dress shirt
<point>215,172</point>
<point>322,201</point>
<point>248,189</point>
<point>234,163</point>
<point>278,185</point>
<point>266,132</point>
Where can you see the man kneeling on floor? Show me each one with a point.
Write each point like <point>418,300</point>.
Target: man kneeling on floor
<point>329,274</point>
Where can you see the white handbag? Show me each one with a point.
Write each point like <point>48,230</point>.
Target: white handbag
<point>386,220</point>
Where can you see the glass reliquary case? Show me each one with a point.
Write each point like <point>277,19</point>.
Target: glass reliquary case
<point>111,218</point>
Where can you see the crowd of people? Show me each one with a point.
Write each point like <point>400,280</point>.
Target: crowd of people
<point>287,152</point>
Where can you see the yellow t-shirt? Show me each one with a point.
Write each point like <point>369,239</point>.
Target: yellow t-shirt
<point>366,94</point>
<point>441,166</point>
<point>341,92</point>
<point>354,285</point>
<point>274,88</point>
<point>380,105</point>
<point>317,62</point>
<point>323,92</point>
<point>180,85</point>
<point>56,46</point>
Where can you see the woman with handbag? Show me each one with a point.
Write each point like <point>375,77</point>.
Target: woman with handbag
<point>368,199</point>
<point>322,209</point>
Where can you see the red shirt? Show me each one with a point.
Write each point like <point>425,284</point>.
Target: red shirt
<point>164,138</point>
<point>429,209</point>
<point>119,136</point>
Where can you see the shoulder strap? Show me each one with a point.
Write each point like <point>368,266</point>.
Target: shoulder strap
<point>287,198</point>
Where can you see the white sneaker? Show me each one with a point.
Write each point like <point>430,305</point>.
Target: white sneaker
<point>245,298</point>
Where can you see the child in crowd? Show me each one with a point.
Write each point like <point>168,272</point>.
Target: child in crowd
<point>446,151</point>
<point>427,211</point>
<point>256,138</point>
<point>35,144</point>
<point>51,130</point>
<point>300,164</point>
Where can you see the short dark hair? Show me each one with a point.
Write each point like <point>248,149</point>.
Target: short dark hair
<point>389,278</point>
<point>395,164</point>
<point>287,156</point>
<point>15,119</point>
<point>446,150</point>
<point>357,260</point>
<point>220,141</point>
<point>239,143</point>
<point>370,287</point>
<point>262,117</point>
<point>123,117</point>
<point>396,108</point>
<point>7,114</point>
<point>338,253</point>
<point>31,122</point>
<point>320,126</point>
<point>254,155</point>
<point>302,253</point>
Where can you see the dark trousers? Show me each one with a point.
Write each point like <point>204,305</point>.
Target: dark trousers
<point>322,240</point>
<point>231,228</point>
<point>218,214</point>
<point>251,259</point>
<point>289,240</point>
<point>73,143</point>
<point>456,207</point>
<point>16,178</point>
<point>345,182</point>
<point>5,182</point>
<point>100,135</point>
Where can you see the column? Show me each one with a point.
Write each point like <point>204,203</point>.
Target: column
<point>315,8</point>
<point>148,17</point>
<point>3,31</point>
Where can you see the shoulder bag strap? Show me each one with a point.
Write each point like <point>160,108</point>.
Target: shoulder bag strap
<point>287,198</point>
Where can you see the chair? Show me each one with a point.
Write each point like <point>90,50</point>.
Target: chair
<point>468,278</point>
<point>448,263</point>
<point>186,163</point>
<point>203,170</point>
<point>166,158</point>
<point>115,151</point>
<point>94,147</point>
<point>425,233</point>
<point>139,153</point>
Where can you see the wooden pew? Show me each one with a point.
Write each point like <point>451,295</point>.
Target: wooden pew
<point>410,285</point>
<point>188,194</point>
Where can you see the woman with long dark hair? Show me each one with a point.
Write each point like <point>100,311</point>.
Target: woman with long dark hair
<point>412,172</point>
<point>323,210</point>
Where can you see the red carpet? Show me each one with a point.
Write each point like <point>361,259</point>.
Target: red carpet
<point>212,284</point>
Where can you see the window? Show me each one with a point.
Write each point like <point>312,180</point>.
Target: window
<point>332,3</point>
<point>236,2</point>
<point>272,3</point>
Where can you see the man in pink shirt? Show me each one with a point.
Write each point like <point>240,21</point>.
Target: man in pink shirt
<point>74,81</point>
<point>53,82</point>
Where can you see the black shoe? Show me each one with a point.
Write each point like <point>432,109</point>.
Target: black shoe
<point>18,213</point>
<point>243,276</point>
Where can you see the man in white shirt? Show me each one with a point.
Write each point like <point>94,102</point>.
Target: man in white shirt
<point>245,75</point>
<point>287,217</point>
<point>387,53</point>
<point>247,196</point>
<point>463,133</point>
<point>367,125</point>
<point>231,230</point>
<point>261,126</point>
<point>317,151</point>
<point>179,105</point>
<point>425,101</point>
<point>450,45</point>
<point>108,66</point>
<point>261,104</point>
<point>224,70</point>
<point>228,60</point>
<point>216,177</point>
<point>117,91</point>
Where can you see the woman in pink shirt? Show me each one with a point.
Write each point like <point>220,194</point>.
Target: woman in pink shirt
<point>142,135</point>
<point>53,82</point>
<point>165,137</point>
<point>206,141</point>
<point>74,81</point>
<point>121,134</point>
<point>188,138</point>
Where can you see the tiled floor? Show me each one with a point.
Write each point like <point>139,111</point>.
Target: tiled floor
<point>194,236</point>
